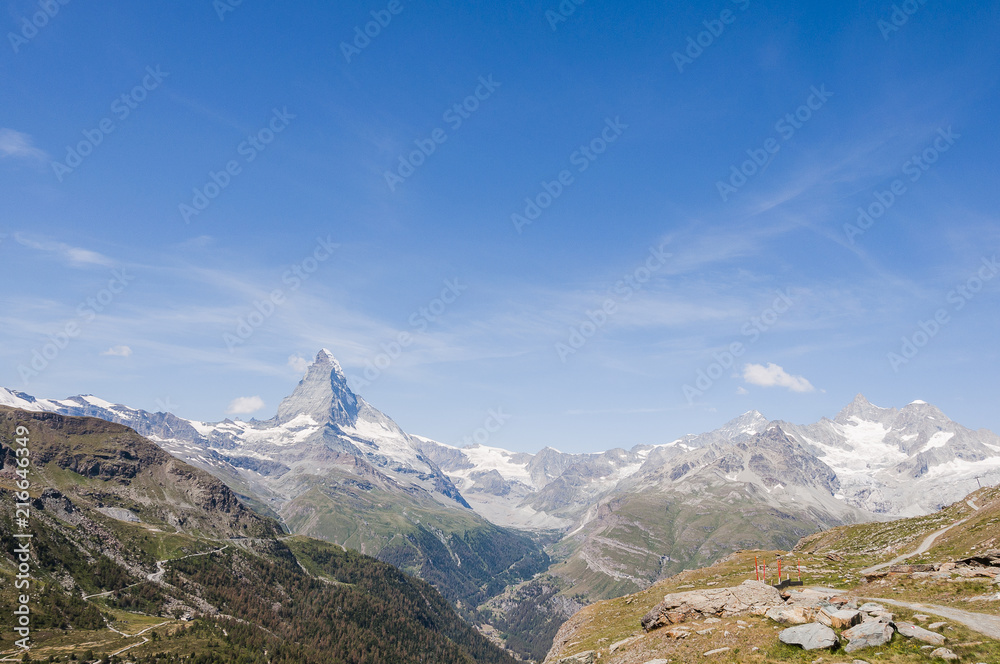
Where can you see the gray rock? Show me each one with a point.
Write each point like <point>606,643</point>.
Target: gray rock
<point>119,513</point>
<point>749,597</point>
<point>871,607</point>
<point>867,635</point>
<point>945,654</point>
<point>657,661</point>
<point>809,598</point>
<point>884,617</point>
<point>717,651</point>
<point>937,625</point>
<point>587,657</point>
<point>911,631</point>
<point>845,618</point>
<point>791,615</point>
<point>813,636</point>
<point>624,642</point>
<point>987,558</point>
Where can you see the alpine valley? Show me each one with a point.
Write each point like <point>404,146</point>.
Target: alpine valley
<point>518,542</point>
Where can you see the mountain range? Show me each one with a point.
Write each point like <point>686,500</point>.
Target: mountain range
<point>122,548</point>
<point>500,532</point>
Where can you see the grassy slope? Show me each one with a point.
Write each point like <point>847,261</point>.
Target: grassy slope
<point>306,601</point>
<point>598,626</point>
<point>663,534</point>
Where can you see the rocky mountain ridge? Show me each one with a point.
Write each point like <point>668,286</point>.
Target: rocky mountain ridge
<point>330,465</point>
<point>133,551</point>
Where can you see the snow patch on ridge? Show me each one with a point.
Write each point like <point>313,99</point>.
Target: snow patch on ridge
<point>865,450</point>
<point>485,458</point>
<point>940,439</point>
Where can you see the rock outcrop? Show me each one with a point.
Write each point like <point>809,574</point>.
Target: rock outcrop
<point>749,597</point>
<point>911,631</point>
<point>813,636</point>
<point>868,635</point>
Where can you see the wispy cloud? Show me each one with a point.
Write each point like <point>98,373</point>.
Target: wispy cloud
<point>118,351</point>
<point>18,145</point>
<point>775,376</point>
<point>75,256</point>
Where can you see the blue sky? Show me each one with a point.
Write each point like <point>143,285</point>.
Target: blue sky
<point>609,121</point>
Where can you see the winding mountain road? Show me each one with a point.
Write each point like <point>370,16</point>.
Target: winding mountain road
<point>983,623</point>
<point>923,548</point>
<point>157,576</point>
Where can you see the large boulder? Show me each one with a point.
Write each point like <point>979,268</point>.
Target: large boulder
<point>871,607</point>
<point>809,598</point>
<point>814,636</point>
<point>987,558</point>
<point>843,618</point>
<point>579,658</point>
<point>748,597</point>
<point>911,631</point>
<point>868,635</point>
<point>791,615</point>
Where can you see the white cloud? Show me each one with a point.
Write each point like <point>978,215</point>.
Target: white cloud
<point>17,144</point>
<point>118,351</point>
<point>742,390</point>
<point>774,376</point>
<point>245,405</point>
<point>73,255</point>
<point>298,363</point>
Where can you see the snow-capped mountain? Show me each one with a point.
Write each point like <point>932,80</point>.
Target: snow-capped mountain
<point>321,427</point>
<point>331,465</point>
<point>902,462</point>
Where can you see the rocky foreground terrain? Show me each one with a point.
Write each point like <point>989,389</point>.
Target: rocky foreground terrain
<point>912,590</point>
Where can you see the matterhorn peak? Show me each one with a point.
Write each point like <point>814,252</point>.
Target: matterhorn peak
<point>326,359</point>
<point>322,394</point>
